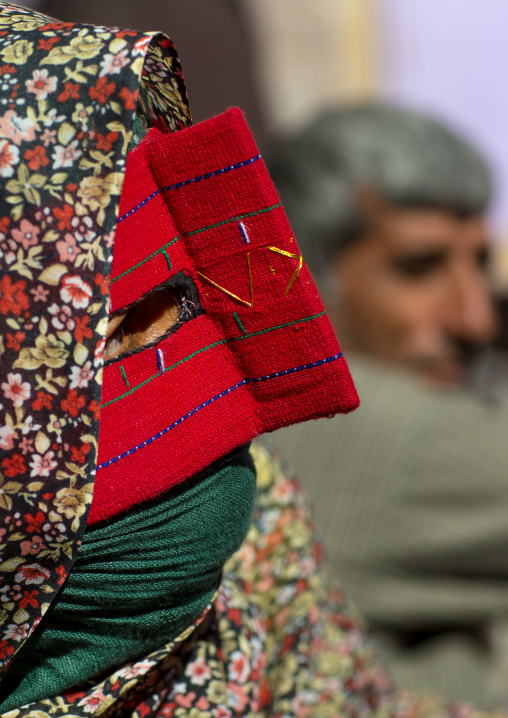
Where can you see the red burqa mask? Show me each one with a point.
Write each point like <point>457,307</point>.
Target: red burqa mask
<point>253,349</point>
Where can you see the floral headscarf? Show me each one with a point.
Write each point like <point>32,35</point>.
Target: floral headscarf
<point>68,97</point>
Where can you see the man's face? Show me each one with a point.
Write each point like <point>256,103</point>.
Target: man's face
<point>413,292</point>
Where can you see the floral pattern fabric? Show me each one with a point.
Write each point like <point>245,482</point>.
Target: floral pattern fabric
<point>68,95</point>
<point>279,640</point>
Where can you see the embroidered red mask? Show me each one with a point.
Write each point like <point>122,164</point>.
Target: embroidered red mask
<point>252,350</point>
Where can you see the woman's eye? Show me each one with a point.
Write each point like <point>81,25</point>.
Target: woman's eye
<point>145,323</point>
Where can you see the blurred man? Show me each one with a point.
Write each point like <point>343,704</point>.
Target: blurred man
<point>388,207</point>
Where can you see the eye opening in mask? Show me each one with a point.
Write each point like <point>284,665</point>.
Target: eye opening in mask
<point>151,318</point>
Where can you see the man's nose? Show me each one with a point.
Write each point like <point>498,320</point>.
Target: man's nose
<point>471,313</point>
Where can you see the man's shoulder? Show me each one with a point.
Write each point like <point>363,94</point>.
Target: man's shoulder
<point>398,421</point>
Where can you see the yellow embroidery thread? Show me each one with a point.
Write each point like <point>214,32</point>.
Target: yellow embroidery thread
<point>292,256</point>
<point>230,294</point>
<point>250,304</point>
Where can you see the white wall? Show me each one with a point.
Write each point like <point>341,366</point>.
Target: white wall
<point>451,57</point>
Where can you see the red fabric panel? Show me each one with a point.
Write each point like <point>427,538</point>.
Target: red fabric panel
<point>138,262</point>
<point>236,371</point>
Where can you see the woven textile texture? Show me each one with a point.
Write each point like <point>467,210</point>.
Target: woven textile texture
<point>261,356</point>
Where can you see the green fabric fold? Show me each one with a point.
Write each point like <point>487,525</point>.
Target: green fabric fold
<point>137,583</point>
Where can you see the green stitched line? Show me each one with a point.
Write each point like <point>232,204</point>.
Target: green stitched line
<point>189,234</point>
<point>234,219</point>
<point>124,375</point>
<point>211,346</point>
<point>173,366</point>
<point>239,322</point>
<point>146,259</point>
<point>167,258</point>
<point>278,326</point>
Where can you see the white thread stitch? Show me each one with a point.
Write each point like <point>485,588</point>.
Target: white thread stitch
<point>160,359</point>
<point>243,232</point>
